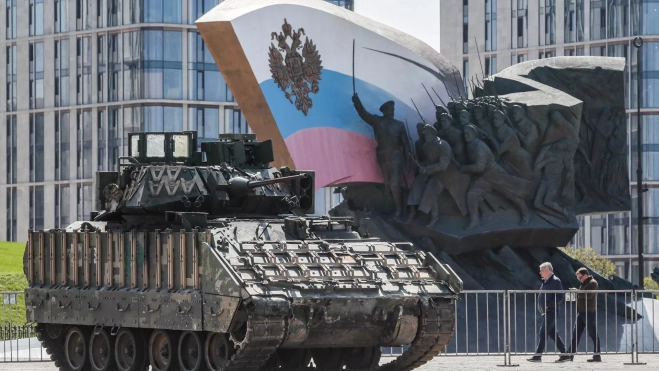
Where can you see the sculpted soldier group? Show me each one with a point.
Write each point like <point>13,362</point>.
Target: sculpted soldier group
<point>483,152</point>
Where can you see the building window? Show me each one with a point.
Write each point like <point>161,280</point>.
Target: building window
<point>82,15</point>
<point>234,122</point>
<point>597,19</point>
<point>12,145</point>
<point>36,147</point>
<point>62,204</point>
<point>519,58</point>
<point>490,65</point>
<point>84,201</point>
<point>162,118</point>
<point>12,79</point>
<point>115,138</point>
<point>61,16</point>
<point>36,17</point>
<point>465,75</point>
<point>11,214</point>
<point>547,54</point>
<point>101,142</point>
<point>114,67</point>
<point>132,11</point>
<point>574,52</point>
<point>162,11</point>
<point>62,145</point>
<point>161,67</point>
<point>62,73</point>
<point>101,62</point>
<point>490,25</point>
<point>520,24</point>
<point>197,8</point>
<point>206,121</point>
<point>36,75</point>
<point>163,64</point>
<point>465,26</point>
<point>598,51</point>
<point>547,21</point>
<point>113,13</point>
<point>84,70</point>
<point>348,4</point>
<point>10,19</point>
<point>84,146</point>
<point>36,208</point>
<point>205,80</point>
<point>618,18</point>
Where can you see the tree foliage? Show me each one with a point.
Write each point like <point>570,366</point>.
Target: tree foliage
<point>592,260</point>
<point>650,284</point>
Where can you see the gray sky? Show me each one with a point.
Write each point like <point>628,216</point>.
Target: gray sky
<point>419,18</point>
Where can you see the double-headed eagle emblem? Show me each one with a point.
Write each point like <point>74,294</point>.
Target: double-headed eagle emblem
<point>297,75</point>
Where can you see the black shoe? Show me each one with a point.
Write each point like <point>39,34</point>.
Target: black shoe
<point>595,359</point>
<point>535,359</point>
<point>564,359</point>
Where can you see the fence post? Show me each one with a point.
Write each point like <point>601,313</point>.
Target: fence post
<point>507,361</point>
<point>634,326</point>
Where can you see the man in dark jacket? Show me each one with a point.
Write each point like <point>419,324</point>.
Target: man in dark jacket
<point>548,304</point>
<point>586,314</point>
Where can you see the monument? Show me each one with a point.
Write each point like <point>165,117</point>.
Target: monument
<point>492,184</point>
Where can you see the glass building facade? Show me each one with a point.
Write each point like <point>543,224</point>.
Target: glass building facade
<point>547,28</point>
<point>80,75</point>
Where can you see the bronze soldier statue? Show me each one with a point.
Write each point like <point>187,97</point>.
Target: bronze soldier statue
<point>528,132</point>
<point>552,161</point>
<point>438,156</point>
<point>452,135</point>
<point>393,146</point>
<point>489,177</point>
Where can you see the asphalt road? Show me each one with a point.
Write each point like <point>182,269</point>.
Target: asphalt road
<point>471,363</point>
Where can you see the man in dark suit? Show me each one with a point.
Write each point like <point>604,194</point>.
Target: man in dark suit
<point>548,304</point>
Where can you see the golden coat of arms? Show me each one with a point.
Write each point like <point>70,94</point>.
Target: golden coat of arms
<point>297,75</point>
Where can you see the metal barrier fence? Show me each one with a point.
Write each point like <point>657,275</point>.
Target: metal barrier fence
<point>487,323</point>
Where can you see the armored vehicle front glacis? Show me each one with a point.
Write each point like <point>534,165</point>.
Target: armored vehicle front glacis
<point>206,260</point>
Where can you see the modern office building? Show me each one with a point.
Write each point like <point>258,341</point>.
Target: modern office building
<point>80,75</point>
<point>513,31</point>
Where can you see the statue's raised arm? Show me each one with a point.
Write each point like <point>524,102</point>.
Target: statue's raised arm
<point>368,118</point>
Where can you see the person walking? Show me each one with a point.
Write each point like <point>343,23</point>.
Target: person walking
<point>548,304</point>
<point>586,314</point>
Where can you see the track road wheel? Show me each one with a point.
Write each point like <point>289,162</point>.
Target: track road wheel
<point>162,351</point>
<point>327,358</point>
<point>55,331</point>
<point>129,350</point>
<point>191,351</point>
<point>218,351</point>
<point>361,358</point>
<point>75,348</point>
<point>292,359</point>
<point>101,351</point>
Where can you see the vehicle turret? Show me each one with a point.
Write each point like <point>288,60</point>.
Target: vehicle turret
<point>165,179</point>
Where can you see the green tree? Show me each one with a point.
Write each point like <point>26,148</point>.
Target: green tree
<point>650,284</point>
<point>592,260</point>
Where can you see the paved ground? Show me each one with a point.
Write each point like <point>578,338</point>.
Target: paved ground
<point>472,363</point>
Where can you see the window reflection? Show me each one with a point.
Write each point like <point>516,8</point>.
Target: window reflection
<point>84,148</point>
<point>10,16</point>
<point>12,214</point>
<point>62,145</point>
<point>114,67</point>
<point>645,11</point>
<point>650,75</point>
<point>12,145</point>
<point>84,201</point>
<point>162,118</point>
<point>12,78</point>
<point>618,18</point>
<point>547,21</point>
<point>36,75</point>
<point>520,37</point>
<point>205,82</point>
<point>83,21</point>
<point>235,121</point>
<point>36,208</point>
<point>62,73</point>
<point>36,17</point>
<point>84,70</point>
<point>597,19</point>
<point>206,121</point>
<point>102,128</point>
<point>490,25</point>
<point>62,205</point>
<point>61,16</point>
<point>36,147</point>
<point>573,21</point>
<point>197,8</point>
<point>162,11</point>
<point>115,138</point>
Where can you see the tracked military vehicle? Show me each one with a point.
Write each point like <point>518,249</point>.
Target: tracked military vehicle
<point>207,259</point>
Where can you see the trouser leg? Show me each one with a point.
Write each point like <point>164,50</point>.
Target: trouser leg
<point>579,325</point>
<point>551,329</point>
<point>592,331</point>
<point>541,338</point>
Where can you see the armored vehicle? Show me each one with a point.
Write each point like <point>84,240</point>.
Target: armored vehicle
<point>206,260</point>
